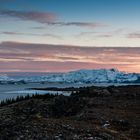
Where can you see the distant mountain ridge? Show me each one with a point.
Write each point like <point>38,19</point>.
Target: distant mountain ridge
<point>81,76</point>
<point>94,76</point>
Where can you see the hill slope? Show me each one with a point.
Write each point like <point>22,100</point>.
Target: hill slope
<point>91,114</point>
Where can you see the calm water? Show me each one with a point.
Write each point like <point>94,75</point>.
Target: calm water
<point>12,91</point>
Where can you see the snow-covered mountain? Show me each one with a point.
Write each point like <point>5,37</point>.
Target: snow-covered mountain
<point>94,76</point>
<point>4,78</point>
<point>81,76</point>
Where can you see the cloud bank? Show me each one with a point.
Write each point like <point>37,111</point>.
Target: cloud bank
<point>53,58</point>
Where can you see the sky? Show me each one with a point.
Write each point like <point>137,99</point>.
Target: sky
<point>65,35</point>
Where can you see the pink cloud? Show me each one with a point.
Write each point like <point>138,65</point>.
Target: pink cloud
<point>47,57</point>
<point>42,17</point>
<point>46,18</point>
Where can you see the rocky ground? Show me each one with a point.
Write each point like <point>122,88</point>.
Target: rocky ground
<point>94,113</point>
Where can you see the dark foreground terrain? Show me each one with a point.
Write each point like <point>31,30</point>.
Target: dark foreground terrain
<point>93,113</point>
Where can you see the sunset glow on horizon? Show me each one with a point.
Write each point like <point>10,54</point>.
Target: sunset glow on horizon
<point>66,35</point>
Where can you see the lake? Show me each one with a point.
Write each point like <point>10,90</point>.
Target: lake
<point>13,90</point>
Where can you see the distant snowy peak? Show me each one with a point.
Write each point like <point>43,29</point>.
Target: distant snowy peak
<point>79,76</point>
<point>93,76</point>
<point>4,77</point>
